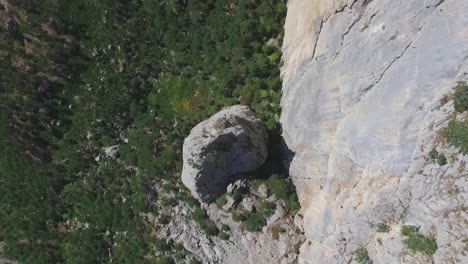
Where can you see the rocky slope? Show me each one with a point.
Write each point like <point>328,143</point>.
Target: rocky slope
<point>364,99</point>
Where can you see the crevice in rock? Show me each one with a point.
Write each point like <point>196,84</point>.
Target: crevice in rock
<point>343,36</point>
<point>324,21</point>
<point>368,88</point>
<point>352,4</point>
<point>438,4</point>
<point>318,39</point>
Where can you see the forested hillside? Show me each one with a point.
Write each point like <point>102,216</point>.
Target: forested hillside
<point>81,79</point>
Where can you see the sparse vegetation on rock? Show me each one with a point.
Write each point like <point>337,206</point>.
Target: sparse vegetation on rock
<point>439,157</point>
<point>361,256</point>
<point>255,221</point>
<point>457,135</point>
<point>284,190</point>
<point>206,225</point>
<point>461,97</point>
<point>417,242</point>
<point>383,228</point>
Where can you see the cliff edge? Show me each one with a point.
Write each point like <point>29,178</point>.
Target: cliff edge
<point>366,94</point>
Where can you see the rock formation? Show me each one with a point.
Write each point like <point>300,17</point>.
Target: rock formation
<point>363,82</point>
<point>220,149</point>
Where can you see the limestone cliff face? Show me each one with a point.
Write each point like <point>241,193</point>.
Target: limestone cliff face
<point>362,107</point>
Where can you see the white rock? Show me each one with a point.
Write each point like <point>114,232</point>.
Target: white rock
<point>362,84</point>
<point>282,247</point>
<point>111,151</point>
<point>263,191</point>
<point>220,149</point>
<point>248,204</point>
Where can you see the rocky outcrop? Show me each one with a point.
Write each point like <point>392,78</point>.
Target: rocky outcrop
<point>362,87</point>
<point>220,149</point>
<point>278,241</point>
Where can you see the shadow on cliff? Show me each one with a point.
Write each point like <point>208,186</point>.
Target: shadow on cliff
<point>279,157</point>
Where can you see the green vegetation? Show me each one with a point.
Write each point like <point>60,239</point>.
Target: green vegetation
<point>224,234</point>
<point>457,135</point>
<point>239,216</point>
<point>465,241</point>
<point>284,190</point>
<point>417,242</point>
<point>441,159</point>
<point>255,221</point>
<point>276,230</point>
<point>461,97</point>
<point>207,226</point>
<point>383,228</point>
<point>222,200</point>
<point>457,131</point>
<point>78,76</point>
<point>361,256</point>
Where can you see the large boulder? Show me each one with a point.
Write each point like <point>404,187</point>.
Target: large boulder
<point>218,150</point>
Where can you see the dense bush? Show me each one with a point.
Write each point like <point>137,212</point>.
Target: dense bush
<point>284,190</point>
<point>417,242</point>
<point>461,97</point>
<point>138,74</point>
<point>255,221</point>
<point>207,226</point>
<point>457,135</point>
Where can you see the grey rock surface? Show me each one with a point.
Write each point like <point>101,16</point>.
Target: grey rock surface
<point>267,246</point>
<point>362,88</point>
<point>220,149</point>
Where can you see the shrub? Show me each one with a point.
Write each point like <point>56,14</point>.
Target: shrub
<point>179,252</point>
<point>191,202</point>
<point>161,245</point>
<point>221,201</point>
<point>461,97</point>
<point>441,159</point>
<point>275,57</point>
<point>224,236</point>
<point>236,195</point>
<point>254,222</point>
<point>199,215</point>
<point>206,225</point>
<point>361,256</point>
<point>194,261</point>
<point>417,242</point>
<point>238,217</point>
<point>225,228</point>
<point>383,228</point>
<point>457,135</point>
<point>433,154</point>
<point>267,49</point>
<point>283,189</point>
<point>164,219</point>
<point>164,260</point>
<point>267,209</point>
<point>169,201</point>
<point>257,220</point>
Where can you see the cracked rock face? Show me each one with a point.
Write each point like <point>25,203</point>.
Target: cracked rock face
<point>362,87</point>
<point>220,149</point>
